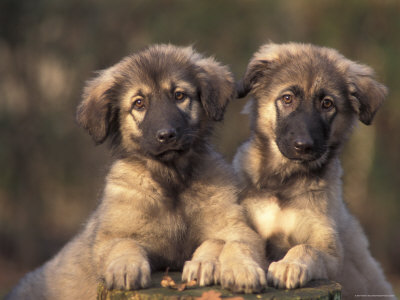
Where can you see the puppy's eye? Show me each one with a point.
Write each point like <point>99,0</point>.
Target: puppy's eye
<point>179,96</point>
<point>138,104</point>
<point>287,99</point>
<point>327,104</point>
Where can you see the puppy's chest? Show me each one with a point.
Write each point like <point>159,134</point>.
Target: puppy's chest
<point>167,225</point>
<point>168,236</point>
<point>269,219</point>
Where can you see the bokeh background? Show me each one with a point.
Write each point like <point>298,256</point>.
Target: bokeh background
<point>51,174</point>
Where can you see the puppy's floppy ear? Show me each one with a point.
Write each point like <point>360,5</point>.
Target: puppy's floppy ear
<point>366,94</point>
<point>262,62</point>
<point>96,111</point>
<point>255,70</point>
<point>216,87</point>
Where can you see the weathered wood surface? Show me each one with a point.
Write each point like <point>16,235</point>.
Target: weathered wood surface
<point>319,289</point>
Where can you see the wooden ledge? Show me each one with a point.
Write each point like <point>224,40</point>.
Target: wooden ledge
<point>318,289</point>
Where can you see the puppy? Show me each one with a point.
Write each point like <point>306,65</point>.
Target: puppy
<point>306,99</point>
<point>169,198</point>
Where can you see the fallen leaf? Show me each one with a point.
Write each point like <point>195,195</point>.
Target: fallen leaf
<point>164,283</point>
<point>210,295</point>
<point>167,281</point>
<point>180,287</point>
<point>192,283</point>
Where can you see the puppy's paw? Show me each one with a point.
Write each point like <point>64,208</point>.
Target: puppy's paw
<point>288,275</point>
<point>127,273</point>
<point>205,272</point>
<point>247,277</point>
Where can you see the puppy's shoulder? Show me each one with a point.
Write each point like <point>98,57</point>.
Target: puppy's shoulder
<point>246,162</point>
<point>238,159</point>
<point>129,184</point>
<point>215,167</point>
<point>214,181</point>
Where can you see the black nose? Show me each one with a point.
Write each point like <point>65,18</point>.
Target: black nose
<point>303,146</point>
<point>166,135</point>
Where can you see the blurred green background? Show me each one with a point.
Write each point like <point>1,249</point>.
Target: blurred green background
<point>52,174</point>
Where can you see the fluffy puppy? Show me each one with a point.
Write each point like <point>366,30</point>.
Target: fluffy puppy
<point>169,198</point>
<point>306,100</point>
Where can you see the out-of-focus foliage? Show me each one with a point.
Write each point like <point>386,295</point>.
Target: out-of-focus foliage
<point>51,173</point>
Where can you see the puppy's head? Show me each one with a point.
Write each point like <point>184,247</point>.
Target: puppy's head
<point>307,98</point>
<point>156,102</point>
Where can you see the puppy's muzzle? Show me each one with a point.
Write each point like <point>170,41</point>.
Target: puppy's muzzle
<point>302,138</point>
<point>170,143</point>
<point>167,135</point>
<point>303,145</point>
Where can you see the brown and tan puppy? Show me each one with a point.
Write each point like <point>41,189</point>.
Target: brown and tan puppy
<point>168,192</point>
<point>306,99</point>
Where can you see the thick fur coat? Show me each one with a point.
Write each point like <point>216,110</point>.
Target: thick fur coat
<point>305,101</point>
<point>169,199</point>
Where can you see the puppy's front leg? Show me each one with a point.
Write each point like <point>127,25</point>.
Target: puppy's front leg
<point>301,264</point>
<point>204,266</point>
<point>241,267</point>
<point>124,264</point>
